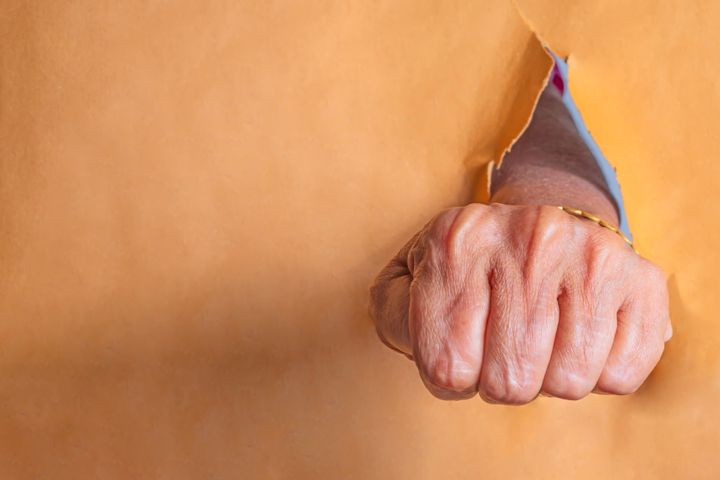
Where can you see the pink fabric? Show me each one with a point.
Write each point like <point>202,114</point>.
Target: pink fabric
<point>557,79</point>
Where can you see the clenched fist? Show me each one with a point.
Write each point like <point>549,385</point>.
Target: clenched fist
<point>512,301</point>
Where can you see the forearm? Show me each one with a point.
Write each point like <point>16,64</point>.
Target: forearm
<point>551,165</point>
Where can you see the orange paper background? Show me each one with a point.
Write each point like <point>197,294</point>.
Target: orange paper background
<point>194,197</point>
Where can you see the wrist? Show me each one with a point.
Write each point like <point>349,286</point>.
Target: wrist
<point>552,187</point>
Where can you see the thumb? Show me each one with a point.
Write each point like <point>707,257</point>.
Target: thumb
<point>390,300</point>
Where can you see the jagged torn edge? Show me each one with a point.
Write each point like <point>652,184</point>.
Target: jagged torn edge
<point>608,171</point>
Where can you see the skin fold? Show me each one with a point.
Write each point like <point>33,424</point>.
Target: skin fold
<point>517,298</point>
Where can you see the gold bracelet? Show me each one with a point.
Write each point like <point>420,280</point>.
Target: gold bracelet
<point>583,214</point>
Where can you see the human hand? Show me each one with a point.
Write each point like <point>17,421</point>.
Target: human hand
<point>511,301</point>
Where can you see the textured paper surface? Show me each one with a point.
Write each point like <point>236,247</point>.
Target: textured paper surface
<point>194,197</point>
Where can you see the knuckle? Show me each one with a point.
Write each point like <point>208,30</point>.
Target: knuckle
<point>551,229</point>
<point>567,384</point>
<point>603,247</point>
<point>566,224</point>
<point>652,333</point>
<point>649,271</point>
<point>444,224</point>
<point>655,270</point>
<point>605,240</point>
<point>450,374</point>
<point>460,230</point>
<point>648,333</point>
<point>605,262</point>
<point>505,389</point>
<point>645,280</point>
<point>656,275</point>
<point>618,381</point>
<point>552,217</point>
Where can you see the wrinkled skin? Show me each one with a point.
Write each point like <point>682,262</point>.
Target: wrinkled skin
<point>512,301</point>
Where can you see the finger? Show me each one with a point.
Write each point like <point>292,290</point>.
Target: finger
<point>519,338</point>
<point>584,339</point>
<point>389,301</point>
<point>590,296</point>
<point>640,339</point>
<point>447,324</point>
<point>523,310</point>
<point>389,308</point>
